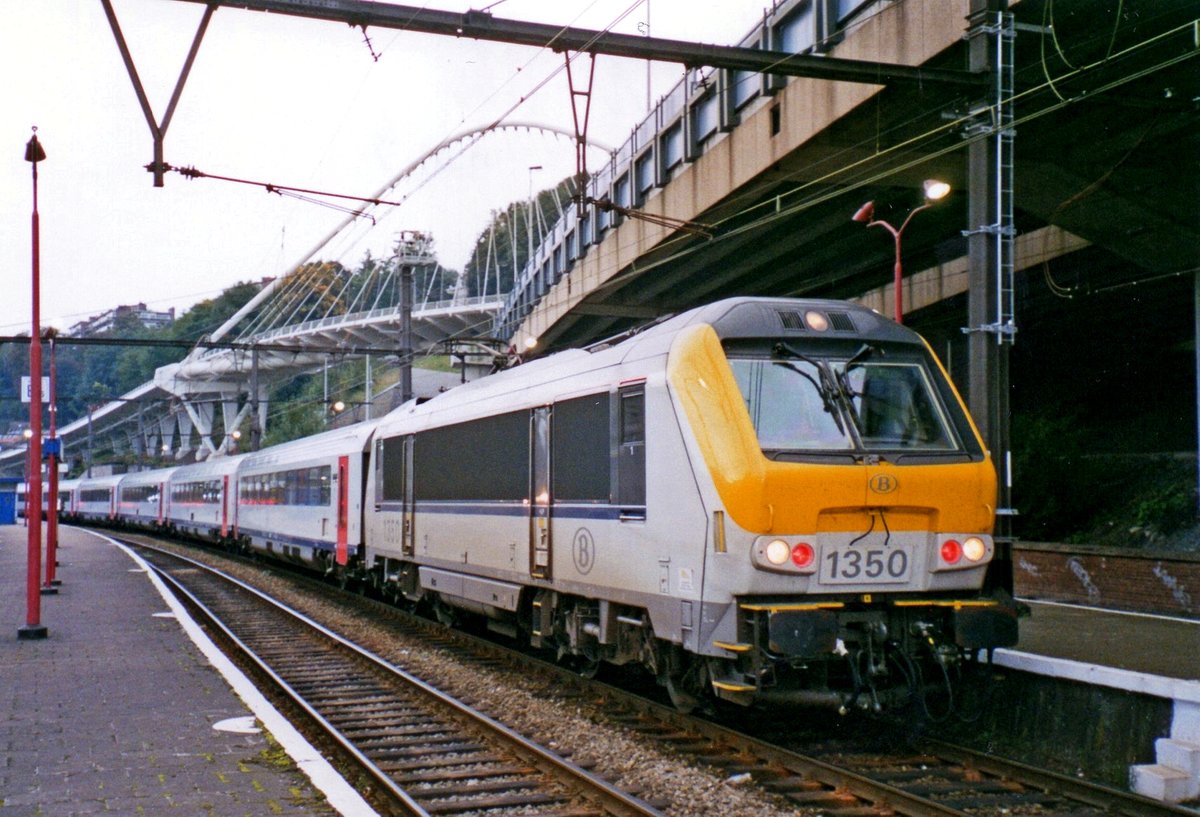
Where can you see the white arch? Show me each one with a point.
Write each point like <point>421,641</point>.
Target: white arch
<point>448,142</point>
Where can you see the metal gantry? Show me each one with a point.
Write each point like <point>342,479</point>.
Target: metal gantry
<point>991,294</point>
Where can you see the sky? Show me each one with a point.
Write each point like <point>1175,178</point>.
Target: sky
<point>284,101</point>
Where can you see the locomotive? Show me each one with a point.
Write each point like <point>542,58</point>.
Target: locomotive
<point>759,500</point>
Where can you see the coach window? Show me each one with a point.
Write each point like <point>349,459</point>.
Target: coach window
<point>497,469</point>
<point>580,445</point>
<point>631,453</point>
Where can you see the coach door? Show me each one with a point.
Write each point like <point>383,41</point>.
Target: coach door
<point>343,509</point>
<point>224,506</point>
<point>539,494</point>
<point>408,523</point>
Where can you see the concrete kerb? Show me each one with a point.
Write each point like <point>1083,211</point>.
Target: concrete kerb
<point>338,792</point>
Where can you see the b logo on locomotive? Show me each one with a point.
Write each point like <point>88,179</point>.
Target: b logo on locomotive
<point>583,548</point>
<point>883,483</point>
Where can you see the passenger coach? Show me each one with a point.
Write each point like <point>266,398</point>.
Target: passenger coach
<point>96,498</point>
<point>201,502</point>
<point>302,501</point>
<point>143,498</point>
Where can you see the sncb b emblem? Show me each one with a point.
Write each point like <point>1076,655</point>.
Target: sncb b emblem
<point>883,483</point>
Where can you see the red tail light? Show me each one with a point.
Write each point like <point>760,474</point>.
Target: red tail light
<point>951,551</point>
<point>802,555</point>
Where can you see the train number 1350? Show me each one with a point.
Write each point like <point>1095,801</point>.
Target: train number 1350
<point>850,564</point>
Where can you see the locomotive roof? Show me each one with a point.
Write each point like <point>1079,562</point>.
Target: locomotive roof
<point>731,318</point>
<point>783,317</point>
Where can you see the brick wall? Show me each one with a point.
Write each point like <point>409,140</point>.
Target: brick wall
<point>1166,583</point>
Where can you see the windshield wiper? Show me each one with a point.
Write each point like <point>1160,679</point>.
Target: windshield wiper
<point>826,387</point>
<point>864,351</point>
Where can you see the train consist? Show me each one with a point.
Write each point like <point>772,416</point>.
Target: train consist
<point>759,500</point>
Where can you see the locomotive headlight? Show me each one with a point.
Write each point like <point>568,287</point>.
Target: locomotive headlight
<point>816,321</point>
<point>974,548</point>
<point>778,552</point>
<point>963,553</point>
<point>782,556</point>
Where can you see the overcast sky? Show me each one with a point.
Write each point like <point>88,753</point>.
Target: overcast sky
<point>286,101</point>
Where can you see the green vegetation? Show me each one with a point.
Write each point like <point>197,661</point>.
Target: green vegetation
<point>1067,491</point>
<point>92,375</point>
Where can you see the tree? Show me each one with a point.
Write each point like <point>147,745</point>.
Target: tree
<point>503,248</point>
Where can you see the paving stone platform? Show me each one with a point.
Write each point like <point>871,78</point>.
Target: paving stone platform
<point>115,710</point>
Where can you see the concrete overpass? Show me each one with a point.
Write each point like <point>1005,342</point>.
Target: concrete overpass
<point>771,168</point>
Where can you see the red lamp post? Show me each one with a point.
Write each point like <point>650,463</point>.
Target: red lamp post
<point>33,628</point>
<point>52,458</point>
<point>934,190</point>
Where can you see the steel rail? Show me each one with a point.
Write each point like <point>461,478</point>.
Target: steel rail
<point>1071,788</point>
<point>859,785</point>
<point>862,786</point>
<point>411,806</point>
<point>596,790</point>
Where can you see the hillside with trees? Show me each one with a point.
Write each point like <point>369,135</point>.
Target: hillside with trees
<point>91,375</point>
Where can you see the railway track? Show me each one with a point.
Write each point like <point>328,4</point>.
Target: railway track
<point>846,779</point>
<point>428,753</point>
<point>925,778</point>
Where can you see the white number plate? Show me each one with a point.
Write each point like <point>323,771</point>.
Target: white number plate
<point>862,564</point>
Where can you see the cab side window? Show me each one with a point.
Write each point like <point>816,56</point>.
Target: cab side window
<point>631,447</point>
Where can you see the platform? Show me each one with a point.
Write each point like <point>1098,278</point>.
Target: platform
<point>125,708</point>
<point>1137,653</point>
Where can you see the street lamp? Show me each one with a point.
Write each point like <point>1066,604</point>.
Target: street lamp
<point>34,629</point>
<point>934,191</point>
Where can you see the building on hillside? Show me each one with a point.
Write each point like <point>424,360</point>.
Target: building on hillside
<point>105,321</point>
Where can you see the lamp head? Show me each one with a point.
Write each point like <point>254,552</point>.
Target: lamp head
<point>865,214</point>
<point>33,149</point>
<point>935,190</point>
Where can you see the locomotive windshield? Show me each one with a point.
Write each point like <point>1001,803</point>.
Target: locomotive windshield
<point>865,402</point>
